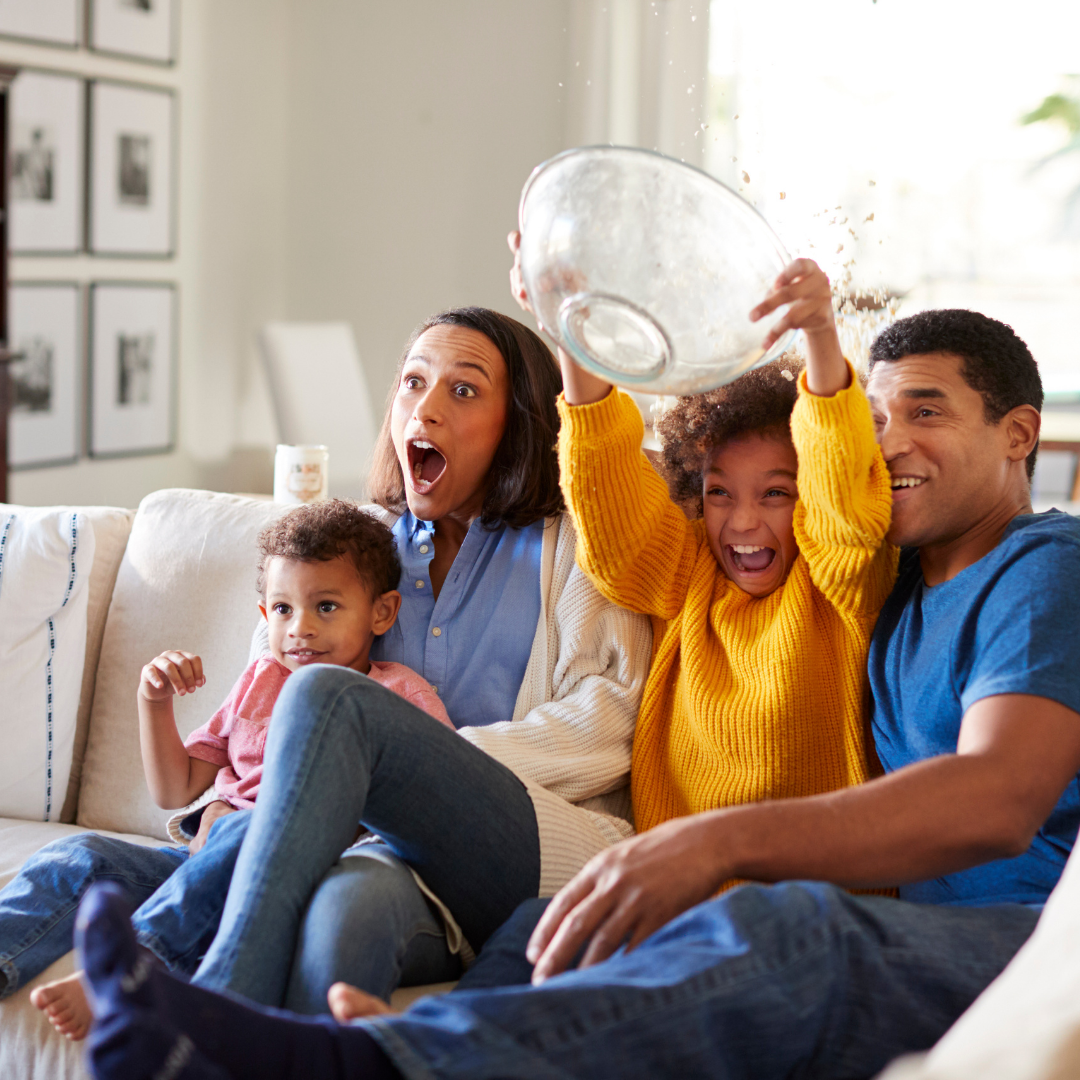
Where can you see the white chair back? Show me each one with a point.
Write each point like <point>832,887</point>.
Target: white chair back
<point>320,395</point>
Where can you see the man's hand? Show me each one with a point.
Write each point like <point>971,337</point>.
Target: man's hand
<point>1015,756</point>
<point>625,894</point>
<point>173,672</point>
<point>804,286</point>
<point>213,811</point>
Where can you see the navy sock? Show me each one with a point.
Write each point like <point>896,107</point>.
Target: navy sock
<point>138,1000</point>
<point>131,1038</point>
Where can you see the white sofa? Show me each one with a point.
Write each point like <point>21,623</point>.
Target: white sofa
<point>180,572</point>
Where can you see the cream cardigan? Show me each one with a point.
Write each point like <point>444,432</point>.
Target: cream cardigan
<point>570,736</point>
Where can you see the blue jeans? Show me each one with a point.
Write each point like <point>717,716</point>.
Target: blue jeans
<point>369,925</point>
<point>342,749</point>
<point>798,979</point>
<point>38,906</point>
<point>179,921</point>
<point>182,897</point>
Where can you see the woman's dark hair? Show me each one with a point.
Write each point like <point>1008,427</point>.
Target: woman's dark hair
<point>759,402</point>
<point>994,361</point>
<point>323,531</point>
<point>523,482</point>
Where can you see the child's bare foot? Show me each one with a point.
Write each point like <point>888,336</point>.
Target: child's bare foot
<point>347,1003</point>
<point>64,1003</point>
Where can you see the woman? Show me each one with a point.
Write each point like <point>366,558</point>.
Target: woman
<point>541,676</point>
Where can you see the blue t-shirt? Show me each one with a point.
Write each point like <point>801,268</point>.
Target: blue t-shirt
<point>1007,624</point>
<point>473,644</point>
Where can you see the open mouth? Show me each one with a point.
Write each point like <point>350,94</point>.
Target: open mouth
<point>750,558</point>
<point>426,464</point>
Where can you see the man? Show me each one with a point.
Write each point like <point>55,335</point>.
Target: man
<point>976,720</point>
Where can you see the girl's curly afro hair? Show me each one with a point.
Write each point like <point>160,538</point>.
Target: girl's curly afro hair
<point>759,401</point>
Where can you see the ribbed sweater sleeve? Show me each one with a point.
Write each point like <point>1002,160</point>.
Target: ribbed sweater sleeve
<point>845,499</point>
<point>633,542</point>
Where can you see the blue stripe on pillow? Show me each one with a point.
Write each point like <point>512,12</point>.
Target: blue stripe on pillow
<point>49,722</point>
<point>3,543</point>
<point>71,557</point>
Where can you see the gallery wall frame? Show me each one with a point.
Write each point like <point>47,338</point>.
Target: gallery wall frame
<point>47,163</point>
<point>131,170</point>
<point>132,384</point>
<point>54,22</point>
<point>46,321</point>
<point>146,30</point>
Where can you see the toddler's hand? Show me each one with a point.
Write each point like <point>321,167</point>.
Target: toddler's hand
<point>803,285</point>
<point>173,672</point>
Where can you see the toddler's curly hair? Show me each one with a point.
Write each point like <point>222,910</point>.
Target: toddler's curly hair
<point>759,401</point>
<point>322,531</point>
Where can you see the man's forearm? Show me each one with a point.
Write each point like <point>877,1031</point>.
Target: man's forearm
<point>931,818</point>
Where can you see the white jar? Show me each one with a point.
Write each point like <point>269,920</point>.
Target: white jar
<point>301,474</point>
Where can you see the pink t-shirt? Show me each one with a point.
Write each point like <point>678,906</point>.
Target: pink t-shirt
<point>235,736</point>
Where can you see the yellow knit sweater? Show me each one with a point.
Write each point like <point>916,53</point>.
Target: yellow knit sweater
<point>747,699</point>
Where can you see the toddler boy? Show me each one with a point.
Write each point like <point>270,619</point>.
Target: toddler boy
<point>328,577</point>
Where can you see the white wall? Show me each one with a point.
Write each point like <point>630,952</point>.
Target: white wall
<point>358,160</point>
<point>412,127</point>
<point>230,257</point>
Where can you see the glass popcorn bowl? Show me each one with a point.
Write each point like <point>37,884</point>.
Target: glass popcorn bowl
<point>645,269</point>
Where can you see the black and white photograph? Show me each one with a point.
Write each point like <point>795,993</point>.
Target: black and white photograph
<point>132,368</point>
<point>131,170</point>
<point>56,22</point>
<point>144,29</point>
<point>134,177</point>
<point>46,380</point>
<point>46,163</point>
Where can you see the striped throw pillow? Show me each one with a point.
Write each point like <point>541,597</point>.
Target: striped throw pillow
<point>45,560</point>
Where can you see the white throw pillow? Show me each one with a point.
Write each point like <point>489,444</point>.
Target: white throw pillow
<point>45,561</point>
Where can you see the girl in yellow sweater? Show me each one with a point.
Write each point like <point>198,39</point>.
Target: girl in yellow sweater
<point>762,608</point>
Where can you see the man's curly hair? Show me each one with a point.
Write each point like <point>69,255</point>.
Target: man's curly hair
<point>323,531</point>
<point>758,402</point>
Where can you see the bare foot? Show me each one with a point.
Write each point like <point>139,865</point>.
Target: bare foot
<point>347,1003</point>
<point>64,1003</point>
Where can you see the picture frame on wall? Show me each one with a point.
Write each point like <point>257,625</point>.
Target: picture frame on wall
<point>56,22</point>
<point>46,163</point>
<point>132,368</point>
<point>45,325</point>
<point>144,29</point>
<point>132,170</point>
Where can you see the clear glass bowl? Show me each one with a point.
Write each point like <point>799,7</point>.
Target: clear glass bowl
<point>645,269</point>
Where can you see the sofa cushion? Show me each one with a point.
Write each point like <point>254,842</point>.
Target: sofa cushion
<point>186,581</point>
<point>111,527</point>
<point>45,561</point>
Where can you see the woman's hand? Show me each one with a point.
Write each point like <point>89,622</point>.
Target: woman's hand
<point>804,285</point>
<point>213,811</point>
<point>173,672</point>
<point>627,893</point>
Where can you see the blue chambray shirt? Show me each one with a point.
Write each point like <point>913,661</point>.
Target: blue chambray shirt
<point>473,644</point>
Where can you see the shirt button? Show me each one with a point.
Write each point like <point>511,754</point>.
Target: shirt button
<point>419,584</point>
<point>434,689</point>
<point>436,632</point>
<point>423,549</point>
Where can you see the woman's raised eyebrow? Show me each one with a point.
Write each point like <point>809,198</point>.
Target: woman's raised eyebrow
<point>456,363</point>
